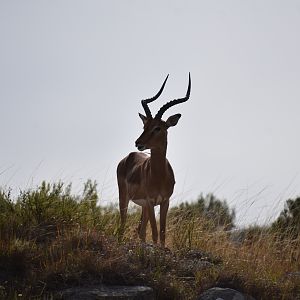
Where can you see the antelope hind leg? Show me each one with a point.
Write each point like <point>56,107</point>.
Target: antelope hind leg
<point>143,223</point>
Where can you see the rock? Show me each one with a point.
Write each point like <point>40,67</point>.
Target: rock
<point>107,293</point>
<point>197,254</point>
<point>189,267</point>
<point>201,255</point>
<point>194,261</point>
<point>293,274</point>
<point>223,294</point>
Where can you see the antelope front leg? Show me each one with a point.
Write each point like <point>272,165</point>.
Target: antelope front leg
<point>153,223</point>
<point>163,220</point>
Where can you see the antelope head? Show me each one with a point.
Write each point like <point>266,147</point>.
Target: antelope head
<point>155,131</point>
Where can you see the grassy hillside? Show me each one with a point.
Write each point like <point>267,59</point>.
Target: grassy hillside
<point>51,239</point>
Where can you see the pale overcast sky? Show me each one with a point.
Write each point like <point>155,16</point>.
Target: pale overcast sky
<point>73,73</point>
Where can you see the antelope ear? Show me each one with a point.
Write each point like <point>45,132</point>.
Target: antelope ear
<point>173,120</point>
<point>144,118</point>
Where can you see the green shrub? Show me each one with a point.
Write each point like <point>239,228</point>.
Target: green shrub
<point>48,209</point>
<point>288,222</point>
<point>214,212</point>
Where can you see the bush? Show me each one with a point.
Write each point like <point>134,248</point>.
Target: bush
<point>288,222</point>
<point>213,211</point>
<point>40,213</point>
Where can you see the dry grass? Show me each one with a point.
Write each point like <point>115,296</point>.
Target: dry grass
<point>262,264</point>
<point>51,240</point>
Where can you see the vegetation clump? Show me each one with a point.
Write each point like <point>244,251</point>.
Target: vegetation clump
<point>52,240</point>
<point>288,222</point>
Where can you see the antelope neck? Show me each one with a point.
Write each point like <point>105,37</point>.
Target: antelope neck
<point>158,161</point>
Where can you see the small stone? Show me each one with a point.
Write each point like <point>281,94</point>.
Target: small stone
<point>107,293</point>
<point>217,293</point>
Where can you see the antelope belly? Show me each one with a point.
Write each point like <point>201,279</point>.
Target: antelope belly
<point>140,202</point>
<point>153,201</point>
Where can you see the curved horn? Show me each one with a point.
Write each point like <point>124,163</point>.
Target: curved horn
<point>146,101</point>
<point>174,102</point>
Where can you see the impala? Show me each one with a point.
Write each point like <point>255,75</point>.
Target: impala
<point>149,180</point>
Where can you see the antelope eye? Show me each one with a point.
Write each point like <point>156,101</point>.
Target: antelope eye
<point>156,129</point>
